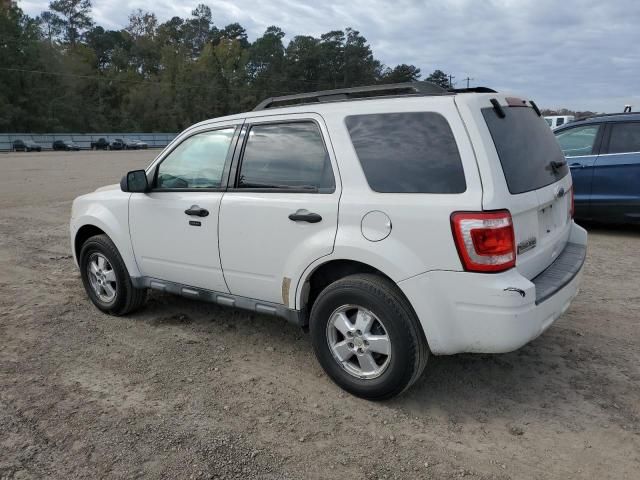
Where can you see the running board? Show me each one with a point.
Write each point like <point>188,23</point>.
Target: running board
<point>224,299</point>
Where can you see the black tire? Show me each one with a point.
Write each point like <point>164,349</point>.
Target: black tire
<point>127,298</point>
<point>409,349</point>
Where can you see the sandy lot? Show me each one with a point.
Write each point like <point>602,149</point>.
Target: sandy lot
<point>190,390</point>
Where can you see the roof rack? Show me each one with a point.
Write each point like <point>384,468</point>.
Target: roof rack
<point>394,89</point>
<point>598,115</point>
<point>473,90</point>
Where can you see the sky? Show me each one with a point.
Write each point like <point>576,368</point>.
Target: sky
<point>576,54</point>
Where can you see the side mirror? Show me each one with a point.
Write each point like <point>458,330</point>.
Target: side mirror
<point>135,182</point>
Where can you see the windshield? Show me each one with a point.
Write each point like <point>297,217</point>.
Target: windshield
<point>529,153</point>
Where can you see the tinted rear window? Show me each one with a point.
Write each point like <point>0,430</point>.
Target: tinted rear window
<point>526,147</point>
<point>625,138</point>
<point>287,155</point>
<point>407,152</point>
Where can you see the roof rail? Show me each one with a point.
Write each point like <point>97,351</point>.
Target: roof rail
<point>473,90</point>
<point>598,115</point>
<point>393,89</point>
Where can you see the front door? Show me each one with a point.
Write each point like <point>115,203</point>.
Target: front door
<point>174,228</point>
<point>282,211</point>
<point>580,147</point>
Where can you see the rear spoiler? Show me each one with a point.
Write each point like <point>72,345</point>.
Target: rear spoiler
<point>513,102</point>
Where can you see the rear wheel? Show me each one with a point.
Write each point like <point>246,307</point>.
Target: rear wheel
<point>106,279</point>
<point>367,337</point>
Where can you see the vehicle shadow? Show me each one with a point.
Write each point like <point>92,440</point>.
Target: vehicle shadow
<point>556,375</point>
<point>617,229</point>
<point>550,379</point>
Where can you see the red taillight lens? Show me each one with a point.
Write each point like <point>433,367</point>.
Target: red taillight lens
<point>485,240</point>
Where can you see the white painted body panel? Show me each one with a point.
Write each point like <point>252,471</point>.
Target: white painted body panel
<point>108,209</point>
<point>248,246</point>
<point>260,247</point>
<point>472,312</point>
<point>525,208</point>
<point>167,247</point>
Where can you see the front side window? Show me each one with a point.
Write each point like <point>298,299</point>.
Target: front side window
<point>413,152</point>
<point>286,156</point>
<point>198,162</point>
<point>559,122</point>
<point>625,138</point>
<point>578,141</point>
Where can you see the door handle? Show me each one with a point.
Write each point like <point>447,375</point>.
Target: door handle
<point>197,211</point>
<point>576,165</point>
<point>305,216</point>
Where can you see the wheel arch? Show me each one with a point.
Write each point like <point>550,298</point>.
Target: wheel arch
<point>88,226</point>
<point>325,273</point>
<point>82,235</point>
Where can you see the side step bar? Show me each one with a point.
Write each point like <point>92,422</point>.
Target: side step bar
<point>224,299</point>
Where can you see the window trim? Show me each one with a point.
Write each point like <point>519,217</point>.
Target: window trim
<point>238,158</point>
<point>607,143</point>
<point>225,169</point>
<point>598,143</point>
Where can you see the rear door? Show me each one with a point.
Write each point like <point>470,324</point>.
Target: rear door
<point>281,210</point>
<point>580,147</point>
<point>523,170</point>
<point>616,181</point>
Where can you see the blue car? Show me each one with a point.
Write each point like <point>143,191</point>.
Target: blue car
<point>603,153</point>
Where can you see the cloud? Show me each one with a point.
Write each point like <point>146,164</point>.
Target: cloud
<point>580,54</point>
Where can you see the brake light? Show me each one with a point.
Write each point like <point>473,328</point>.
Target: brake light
<point>485,240</point>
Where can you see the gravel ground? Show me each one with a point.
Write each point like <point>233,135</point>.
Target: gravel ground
<point>185,389</point>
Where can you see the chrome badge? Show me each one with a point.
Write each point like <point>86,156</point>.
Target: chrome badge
<point>527,245</point>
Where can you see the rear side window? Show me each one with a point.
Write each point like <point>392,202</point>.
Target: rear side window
<point>286,156</point>
<point>407,152</point>
<point>578,141</point>
<point>625,138</point>
<point>530,156</point>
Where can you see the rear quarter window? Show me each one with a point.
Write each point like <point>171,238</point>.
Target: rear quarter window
<point>412,152</point>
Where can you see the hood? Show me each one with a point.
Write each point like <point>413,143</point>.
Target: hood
<point>115,186</point>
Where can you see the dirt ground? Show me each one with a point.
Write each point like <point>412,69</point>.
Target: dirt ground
<point>191,390</point>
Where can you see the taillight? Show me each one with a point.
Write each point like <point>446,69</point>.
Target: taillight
<point>485,240</point>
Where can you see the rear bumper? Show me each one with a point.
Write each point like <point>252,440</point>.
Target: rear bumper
<point>495,313</point>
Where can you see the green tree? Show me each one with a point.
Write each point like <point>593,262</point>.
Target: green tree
<point>401,73</point>
<point>439,78</point>
<point>75,17</point>
<point>51,25</point>
<point>58,72</point>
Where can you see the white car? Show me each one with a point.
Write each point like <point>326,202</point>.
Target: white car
<point>555,121</point>
<point>394,222</point>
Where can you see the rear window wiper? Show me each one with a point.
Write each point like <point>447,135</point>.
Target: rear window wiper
<point>557,165</point>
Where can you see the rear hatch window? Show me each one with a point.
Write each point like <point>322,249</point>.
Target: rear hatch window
<point>529,153</point>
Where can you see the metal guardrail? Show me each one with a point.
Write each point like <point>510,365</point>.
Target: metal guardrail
<point>83,140</point>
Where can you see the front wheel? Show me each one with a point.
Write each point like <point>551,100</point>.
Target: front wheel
<point>106,279</point>
<point>367,337</point>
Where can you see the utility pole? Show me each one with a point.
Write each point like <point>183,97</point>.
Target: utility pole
<point>468,79</point>
<point>451,77</point>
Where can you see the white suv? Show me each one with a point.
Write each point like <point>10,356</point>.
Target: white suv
<point>393,221</point>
